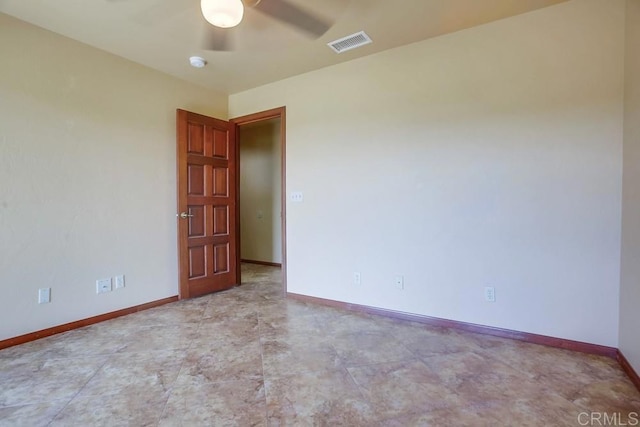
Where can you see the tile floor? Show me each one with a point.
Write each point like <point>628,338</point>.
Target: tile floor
<point>249,357</point>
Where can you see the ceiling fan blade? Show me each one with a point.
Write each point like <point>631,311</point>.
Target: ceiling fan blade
<point>161,11</point>
<point>291,14</point>
<point>219,39</point>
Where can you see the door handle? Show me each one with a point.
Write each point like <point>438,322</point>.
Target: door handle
<point>185,215</point>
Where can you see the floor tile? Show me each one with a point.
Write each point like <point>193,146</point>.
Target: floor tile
<point>433,343</point>
<point>231,331</point>
<point>39,414</point>
<point>93,340</point>
<point>121,409</point>
<point>196,401</point>
<point>227,363</point>
<point>38,382</point>
<point>249,356</point>
<point>281,359</point>
<point>328,398</point>
<point>615,396</point>
<point>451,416</point>
<point>152,372</point>
<point>402,388</point>
<point>363,348</point>
<point>160,337</point>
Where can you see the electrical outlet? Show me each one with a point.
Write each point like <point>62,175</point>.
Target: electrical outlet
<point>296,196</point>
<point>103,285</point>
<point>399,282</point>
<point>490,294</point>
<point>44,295</point>
<point>119,281</point>
<point>356,278</point>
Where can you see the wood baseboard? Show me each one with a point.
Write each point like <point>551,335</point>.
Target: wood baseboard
<point>271,264</point>
<point>469,327</point>
<point>10,342</point>
<point>628,369</point>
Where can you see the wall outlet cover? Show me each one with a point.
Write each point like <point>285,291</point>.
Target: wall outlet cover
<point>296,196</point>
<point>119,281</point>
<point>357,279</point>
<point>399,281</point>
<point>44,295</point>
<point>103,285</point>
<point>490,294</point>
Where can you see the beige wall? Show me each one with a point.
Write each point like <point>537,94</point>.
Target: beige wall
<point>630,283</point>
<point>260,192</point>
<point>487,157</point>
<point>87,177</point>
<point>492,156</point>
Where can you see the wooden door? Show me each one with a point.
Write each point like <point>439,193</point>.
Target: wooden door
<point>207,234</point>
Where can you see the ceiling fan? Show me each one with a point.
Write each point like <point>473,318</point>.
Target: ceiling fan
<point>223,15</point>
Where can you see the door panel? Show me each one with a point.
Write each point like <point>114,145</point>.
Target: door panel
<point>195,180</point>
<point>220,182</point>
<point>197,262</point>
<point>207,159</point>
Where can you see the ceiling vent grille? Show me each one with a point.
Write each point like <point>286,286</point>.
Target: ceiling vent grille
<point>350,42</point>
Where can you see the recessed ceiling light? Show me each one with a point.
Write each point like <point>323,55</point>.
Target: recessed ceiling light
<point>197,62</point>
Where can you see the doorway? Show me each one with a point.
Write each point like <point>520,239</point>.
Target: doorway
<point>260,193</point>
<point>261,213</point>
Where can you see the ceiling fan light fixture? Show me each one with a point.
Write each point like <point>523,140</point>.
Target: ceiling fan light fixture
<point>222,13</point>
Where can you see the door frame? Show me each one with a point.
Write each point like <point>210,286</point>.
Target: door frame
<point>275,113</point>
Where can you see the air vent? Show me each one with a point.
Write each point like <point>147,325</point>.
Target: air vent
<point>350,42</point>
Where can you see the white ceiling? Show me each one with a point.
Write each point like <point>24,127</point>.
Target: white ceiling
<point>163,34</point>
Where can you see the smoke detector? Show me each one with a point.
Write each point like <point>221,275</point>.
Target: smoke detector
<point>197,62</point>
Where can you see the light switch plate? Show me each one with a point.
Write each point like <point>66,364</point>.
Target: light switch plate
<point>44,295</point>
<point>296,196</point>
<point>119,281</point>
